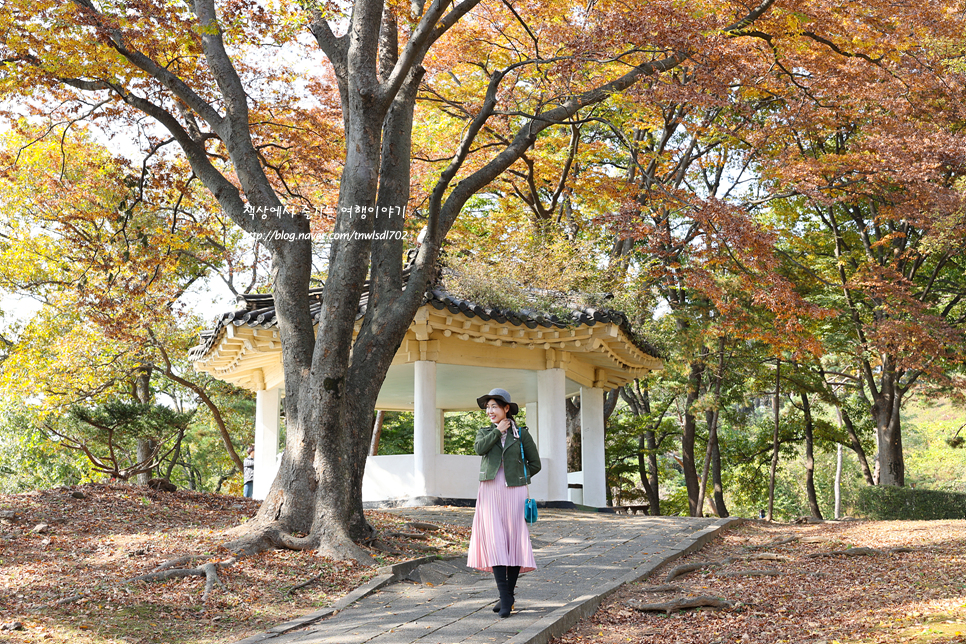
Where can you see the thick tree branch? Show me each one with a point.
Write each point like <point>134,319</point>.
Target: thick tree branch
<point>199,391</point>
<point>412,54</point>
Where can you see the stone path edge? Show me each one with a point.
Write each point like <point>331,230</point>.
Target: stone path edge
<point>384,576</point>
<point>564,618</point>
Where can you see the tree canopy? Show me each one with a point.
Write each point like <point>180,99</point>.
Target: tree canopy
<point>689,144</point>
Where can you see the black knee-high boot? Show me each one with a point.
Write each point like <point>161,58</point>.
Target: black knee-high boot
<point>512,573</point>
<point>502,585</point>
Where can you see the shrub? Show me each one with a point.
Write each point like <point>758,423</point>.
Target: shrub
<point>890,503</point>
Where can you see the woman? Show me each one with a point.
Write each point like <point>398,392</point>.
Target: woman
<point>248,472</point>
<point>500,540</point>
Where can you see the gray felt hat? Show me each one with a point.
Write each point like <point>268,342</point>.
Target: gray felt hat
<point>501,395</point>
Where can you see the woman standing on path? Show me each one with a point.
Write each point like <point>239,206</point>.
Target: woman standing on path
<point>500,540</point>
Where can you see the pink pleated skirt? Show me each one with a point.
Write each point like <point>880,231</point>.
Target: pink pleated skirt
<point>500,536</point>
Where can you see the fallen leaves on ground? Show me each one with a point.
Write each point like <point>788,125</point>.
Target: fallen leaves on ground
<point>880,598</point>
<point>90,545</point>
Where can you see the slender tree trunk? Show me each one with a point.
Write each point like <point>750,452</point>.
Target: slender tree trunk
<point>574,461</point>
<point>688,435</point>
<point>810,459</point>
<point>377,433</point>
<point>186,466</point>
<point>642,467</point>
<point>711,419</point>
<point>175,455</point>
<point>640,404</point>
<point>212,407</point>
<point>846,421</point>
<point>776,408</point>
<point>719,502</point>
<point>838,482</point>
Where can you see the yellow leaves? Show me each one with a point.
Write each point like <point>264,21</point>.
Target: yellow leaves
<point>96,242</point>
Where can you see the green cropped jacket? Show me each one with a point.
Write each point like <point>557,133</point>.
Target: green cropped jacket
<point>488,446</point>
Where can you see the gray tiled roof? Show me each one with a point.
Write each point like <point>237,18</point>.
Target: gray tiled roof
<point>258,310</point>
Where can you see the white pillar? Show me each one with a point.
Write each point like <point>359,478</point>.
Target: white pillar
<point>425,439</point>
<point>592,446</point>
<point>266,440</point>
<point>552,412</point>
<point>533,422</point>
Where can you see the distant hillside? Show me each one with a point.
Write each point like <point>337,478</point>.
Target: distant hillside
<point>930,461</point>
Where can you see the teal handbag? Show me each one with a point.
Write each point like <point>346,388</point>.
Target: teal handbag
<point>530,506</point>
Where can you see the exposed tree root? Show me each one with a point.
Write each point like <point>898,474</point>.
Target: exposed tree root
<point>771,572</point>
<point>180,561</point>
<point>426,527</point>
<point>409,535</point>
<point>666,588</point>
<point>813,539</point>
<point>382,546</point>
<point>211,578</point>
<point>256,540</point>
<point>259,536</point>
<point>343,551</point>
<point>208,570</point>
<point>703,601</point>
<point>849,552</point>
<point>304,584</point>
<point>772,544</point>
<point>768,556</point>
<point>701,565</point>
<point>291,542</point>
<point>67,600</point>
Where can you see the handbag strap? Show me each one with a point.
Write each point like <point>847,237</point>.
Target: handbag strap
<point>523,457</point>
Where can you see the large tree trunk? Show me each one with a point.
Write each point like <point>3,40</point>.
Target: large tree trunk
<point>892,469</point>
<point>145,451</point>
<point>146,446</point>
<point>810,459</point>
<point>886,404</point>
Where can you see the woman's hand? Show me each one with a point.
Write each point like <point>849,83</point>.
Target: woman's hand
<point>503,425</point>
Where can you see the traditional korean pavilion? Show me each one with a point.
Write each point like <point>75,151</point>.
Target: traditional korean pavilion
<point>454,351</point>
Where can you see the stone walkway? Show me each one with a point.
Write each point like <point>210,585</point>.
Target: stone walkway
<point>581,557</point>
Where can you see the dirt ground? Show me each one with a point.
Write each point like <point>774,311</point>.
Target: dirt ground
<point>91,545</point>
<point>803,594</point>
